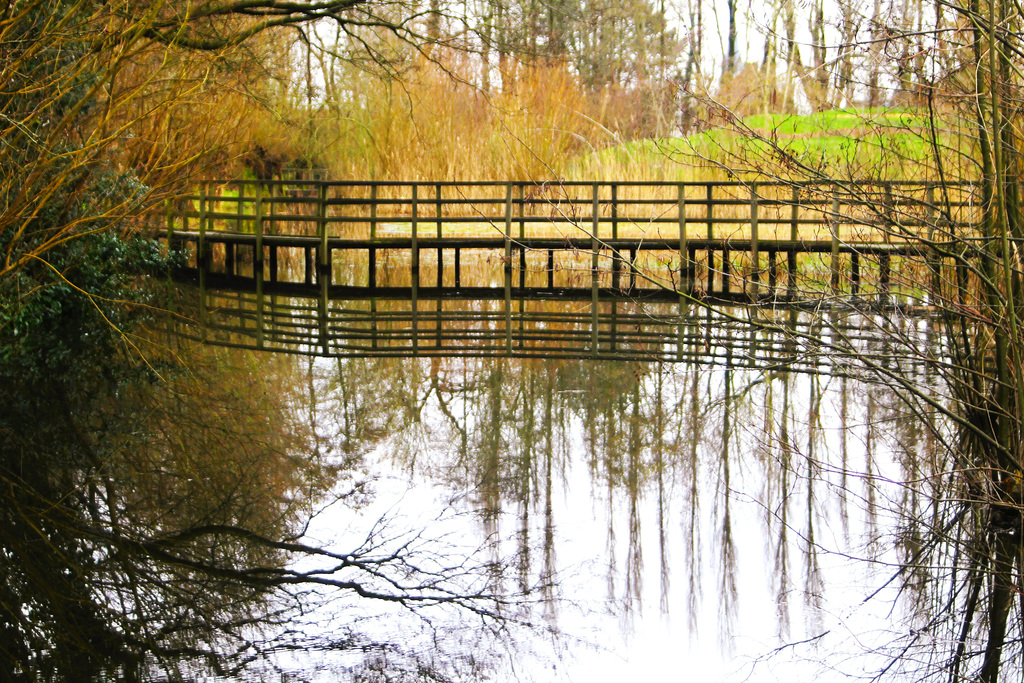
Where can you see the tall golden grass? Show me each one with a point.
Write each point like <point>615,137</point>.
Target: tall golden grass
<point>431,122</point>
<point>436,126</point>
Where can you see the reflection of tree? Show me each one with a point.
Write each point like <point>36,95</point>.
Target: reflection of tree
<point>150,497</point>
<point>130,515</point>
<point>154,524</point>
<point>644,433</point>
<point>955,379</point>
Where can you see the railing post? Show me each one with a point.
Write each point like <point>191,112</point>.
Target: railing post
<point>594,279</point>
<point>202,259</point>
<point>169,214</point>
<point>440,231</point>
<point>632,269</point>
<point>321,220</point>
<point>520,193</point>
<point>726,268</point>
<point>240,207</point>
<point>275,195</point>
<point>613,330</point>
<point>438,319</point>
<point>373,211</point>
<point>890,211</point>
<point>257,257</point>
<point>437,209</point>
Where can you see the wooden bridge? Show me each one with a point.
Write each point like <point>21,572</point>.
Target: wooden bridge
<point>517,245</point>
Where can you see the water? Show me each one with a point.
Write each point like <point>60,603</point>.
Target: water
<point>674,521</point>
<point>741,514</point>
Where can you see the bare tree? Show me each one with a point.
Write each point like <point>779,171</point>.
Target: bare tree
<point>151,526</point>
<point>968,521</point>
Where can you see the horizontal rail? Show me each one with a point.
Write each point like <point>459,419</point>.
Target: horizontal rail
<point>564,243</point>
<point>877,211</point>
<point>299,183</point>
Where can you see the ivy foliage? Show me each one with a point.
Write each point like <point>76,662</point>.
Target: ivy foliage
<point>76,305</point>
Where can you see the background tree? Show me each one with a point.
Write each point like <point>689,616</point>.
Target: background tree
<point>958,62</point>
<point>151,508</point>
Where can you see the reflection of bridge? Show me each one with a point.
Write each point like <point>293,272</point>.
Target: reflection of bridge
<point>407,257</point>
<point>530,328</point>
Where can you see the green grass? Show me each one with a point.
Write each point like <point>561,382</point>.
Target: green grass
<point>836,120</point>
<point>876,143</point>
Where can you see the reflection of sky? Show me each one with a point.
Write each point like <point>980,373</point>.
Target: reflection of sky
<point>605,637</point>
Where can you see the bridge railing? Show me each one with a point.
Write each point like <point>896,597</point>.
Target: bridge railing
<point>715,210</point>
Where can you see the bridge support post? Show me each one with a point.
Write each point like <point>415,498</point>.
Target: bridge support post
<point>414,267</point>
<point>726,268</point>
<point>685,284</point>
<point>324,266</point>
<point>371,277</point>
<point>508,268</point>
<point>755,255</point>
<point>616,256</point>
<point>834,228</point>
<point>257,263</point>
<point>685,267</point>
<point>594,275</point>
<point>855,274</point>
<point>709,218</point>
<point>884,277</point>
<point>794,235</point>
<point>520,192</point>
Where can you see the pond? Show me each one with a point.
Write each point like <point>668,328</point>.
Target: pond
<point>675,517</point>
<point>744,513</point>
